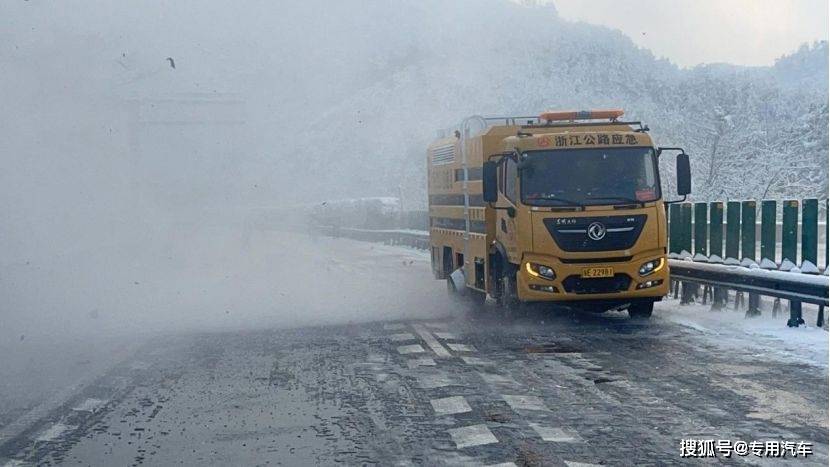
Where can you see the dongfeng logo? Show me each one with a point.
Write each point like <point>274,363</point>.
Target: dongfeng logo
<point>596,231</point>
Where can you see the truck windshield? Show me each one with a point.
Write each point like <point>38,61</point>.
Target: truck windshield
<point>589,176</point>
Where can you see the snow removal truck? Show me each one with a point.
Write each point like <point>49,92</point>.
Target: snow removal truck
<point>566,207</point>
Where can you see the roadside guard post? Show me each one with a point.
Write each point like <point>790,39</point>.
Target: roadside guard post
<point>789,235</point>
<point>719,294</point>
<point>688,289</point>
<point>748,248</point>
<point>701,237</point>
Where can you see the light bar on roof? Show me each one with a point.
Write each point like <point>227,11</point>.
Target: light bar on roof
<point>570,115</point>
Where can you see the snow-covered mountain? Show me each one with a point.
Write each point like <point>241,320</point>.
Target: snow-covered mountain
<point>341,98</point>
<point>753,132</point>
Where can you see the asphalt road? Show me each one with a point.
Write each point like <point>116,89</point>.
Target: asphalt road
<point>574,389</point>
<point>546,388</point>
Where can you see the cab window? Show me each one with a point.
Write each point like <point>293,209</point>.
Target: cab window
<point>511,180</point>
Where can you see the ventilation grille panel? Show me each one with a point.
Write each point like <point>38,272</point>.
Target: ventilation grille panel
<point>443,155</point>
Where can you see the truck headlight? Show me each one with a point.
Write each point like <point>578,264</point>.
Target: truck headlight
<point>652,266</point>
<point>540,270</point>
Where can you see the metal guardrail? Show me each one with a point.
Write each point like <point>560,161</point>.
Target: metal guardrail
<point>413,238</point>
<point>717,279</point>
<point>789,286</point>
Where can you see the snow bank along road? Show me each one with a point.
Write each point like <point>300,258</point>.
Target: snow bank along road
<point>545,389</point>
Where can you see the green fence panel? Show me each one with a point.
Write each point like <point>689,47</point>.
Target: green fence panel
<point>686,226</point>
<point>716,228</point>
<point>674,228</point>
<point>748,218</point>
<point>701,241</point>
<point>733,225</point>
<point>768,220</point>
<point>809,231</point>
<point>789,231</point>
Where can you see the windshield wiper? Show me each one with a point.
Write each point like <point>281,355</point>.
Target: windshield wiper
<point>564,201</point>
<point>621,198</point>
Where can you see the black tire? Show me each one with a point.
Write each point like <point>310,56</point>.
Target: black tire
<point>509,303</point>
<point>641,310</point>
<point>472,298</point>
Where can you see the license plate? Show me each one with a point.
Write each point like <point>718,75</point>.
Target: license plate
<point>597,272</point>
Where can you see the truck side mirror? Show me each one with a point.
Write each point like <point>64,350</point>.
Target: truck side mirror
<point>684,174</point>
<point>490,182</point>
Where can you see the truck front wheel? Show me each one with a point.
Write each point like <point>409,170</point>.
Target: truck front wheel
<point>509,296</point>
<point>641,310</point>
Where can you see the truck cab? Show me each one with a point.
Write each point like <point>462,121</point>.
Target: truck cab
<point>574,213</point>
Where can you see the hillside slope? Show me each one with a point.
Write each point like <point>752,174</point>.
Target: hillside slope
<point>753,132</point>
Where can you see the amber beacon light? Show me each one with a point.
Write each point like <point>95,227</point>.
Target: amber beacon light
<point>571,115</point>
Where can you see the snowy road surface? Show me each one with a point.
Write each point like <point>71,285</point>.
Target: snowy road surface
<point>418,382</point>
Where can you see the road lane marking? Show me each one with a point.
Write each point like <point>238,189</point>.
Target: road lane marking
<point>447,336</point>
<point>394,326</point>
<point>580,464</point>
<point>422,361</point>
<point>54,432</point>
<point>579,361</point>
<point>503,464</point>
<point>450,405</point>
<point>520,402</point>
<point>32,419</point>
<point>473,435</point>
<point>495,379</point>
<point>432,342</point>
<point>90,405</point>
<point>404,336</point>
<point>556,435</point>
<point>475,360</point>
<point>461,347</point>
<point>435,381</point>
<point>410,349</point>
<point>376,358</point>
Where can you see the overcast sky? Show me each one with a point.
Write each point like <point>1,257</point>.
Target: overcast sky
<point>690,32</point>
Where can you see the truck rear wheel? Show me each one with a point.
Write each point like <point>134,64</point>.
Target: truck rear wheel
<point>641,310</point>
<point>457,290</point>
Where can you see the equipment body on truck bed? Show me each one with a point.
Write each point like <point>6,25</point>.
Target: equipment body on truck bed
<point>566,207</point>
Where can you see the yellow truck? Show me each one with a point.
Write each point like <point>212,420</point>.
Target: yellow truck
<point>565,207</point>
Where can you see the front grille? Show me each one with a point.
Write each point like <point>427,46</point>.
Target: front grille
<point>571,233</point>
<point>579,285</point>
